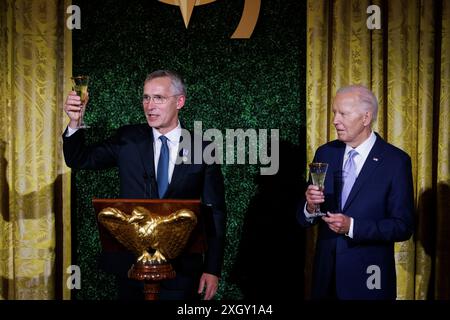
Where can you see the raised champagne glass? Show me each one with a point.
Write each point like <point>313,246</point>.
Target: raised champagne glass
<point>80,85</point>
<point>318,171</point>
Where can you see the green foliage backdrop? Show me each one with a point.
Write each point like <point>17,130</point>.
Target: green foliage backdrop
<point>255,83</point>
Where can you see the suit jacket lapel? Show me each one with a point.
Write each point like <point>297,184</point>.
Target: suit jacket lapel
<point>373,160</point>
<point>179,171</point>
<point>337,175</point>
<point>146,152</point>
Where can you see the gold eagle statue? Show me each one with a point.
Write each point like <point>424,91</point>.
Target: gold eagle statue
<point>142,230</point>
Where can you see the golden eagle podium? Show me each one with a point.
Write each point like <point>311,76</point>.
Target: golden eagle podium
<point>154,230</point>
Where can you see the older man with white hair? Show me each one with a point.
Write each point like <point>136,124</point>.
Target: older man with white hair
<point>368,200</point>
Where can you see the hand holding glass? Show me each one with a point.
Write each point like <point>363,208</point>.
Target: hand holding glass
<point>318,171</point>
<point>80,85</point>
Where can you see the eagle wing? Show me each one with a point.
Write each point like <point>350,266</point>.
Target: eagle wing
<point>172,232</point>
<point>123,228</point>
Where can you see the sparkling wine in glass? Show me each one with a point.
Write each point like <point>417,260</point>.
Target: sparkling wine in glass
<point>318,171</point>
<point>80,85</point>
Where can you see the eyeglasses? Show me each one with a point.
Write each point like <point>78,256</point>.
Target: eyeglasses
<point>157,99</point>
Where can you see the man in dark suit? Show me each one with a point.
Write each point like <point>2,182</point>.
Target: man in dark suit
<point>148,157</point>
<point>368,198</point>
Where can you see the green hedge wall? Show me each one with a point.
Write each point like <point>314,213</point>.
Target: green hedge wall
<point>255,83</point>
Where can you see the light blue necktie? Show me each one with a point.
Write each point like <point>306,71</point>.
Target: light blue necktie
<point>163,167</point>
<point>348,176</point>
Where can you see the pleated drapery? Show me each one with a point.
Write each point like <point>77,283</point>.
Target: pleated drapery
<point>406,64</point>
<point>35,69</point>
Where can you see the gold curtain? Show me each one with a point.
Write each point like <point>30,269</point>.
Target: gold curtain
<point>35,65</point>
<point>406,63</point>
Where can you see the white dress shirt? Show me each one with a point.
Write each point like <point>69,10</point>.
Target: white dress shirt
<point>363,152</point>
<point>70,131</point>
<point>173,142</point>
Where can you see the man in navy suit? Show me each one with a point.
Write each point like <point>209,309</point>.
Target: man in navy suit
<point>137,151</point>
<point>368,198</point>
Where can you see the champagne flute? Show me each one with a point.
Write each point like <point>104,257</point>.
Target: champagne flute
<point>318,171</point>
<point>80,85</point>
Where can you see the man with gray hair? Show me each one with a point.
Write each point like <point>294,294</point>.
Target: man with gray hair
<point>368,201</point>
<point>146,155</point>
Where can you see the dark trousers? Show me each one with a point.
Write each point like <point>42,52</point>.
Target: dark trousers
<point>332,293</point>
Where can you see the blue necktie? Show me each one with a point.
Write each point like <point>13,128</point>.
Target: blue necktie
<point>349,176</point>
<point>163,167</point>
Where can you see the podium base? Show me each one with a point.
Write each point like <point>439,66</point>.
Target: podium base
<point>151,274</point>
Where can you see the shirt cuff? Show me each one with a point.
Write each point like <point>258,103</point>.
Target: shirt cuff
<point>308,216</point>
<point>70,131</point>
<point>350,231</point>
